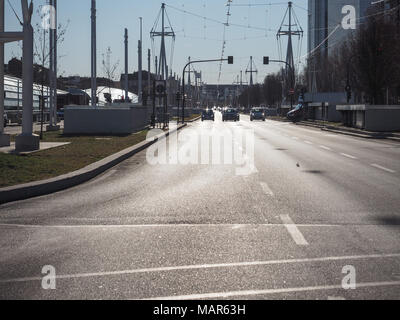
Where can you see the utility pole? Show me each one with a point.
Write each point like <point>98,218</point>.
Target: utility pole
<point>251,71</point>
<point>140,64</point>
<point>94,55</point>
<point>126,67</point>
<point>156,67</point>
<point>149,72</point>
<point>27,141</point>
<point>162,68</point>
<point>53,68</point>
<point>4,139</point>
<point>290,32</point>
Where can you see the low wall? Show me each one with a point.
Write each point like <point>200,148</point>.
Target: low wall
<point>114,119</point>
<point>371,117</point>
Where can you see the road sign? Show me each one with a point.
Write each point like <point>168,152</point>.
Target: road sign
<point>291,91</point>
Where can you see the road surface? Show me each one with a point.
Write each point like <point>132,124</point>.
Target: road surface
<point>318,211</point>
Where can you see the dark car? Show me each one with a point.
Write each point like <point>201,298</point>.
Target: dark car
<point>207,115</point>
<point>257,114</point>
<point>230,114</point>
<point>296,114</point>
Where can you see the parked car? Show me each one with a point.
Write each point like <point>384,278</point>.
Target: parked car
<point>257,114</point>
<point>5,119</point>
<point>207,114</point>
<point>230,114</point>
<point>296,114</point>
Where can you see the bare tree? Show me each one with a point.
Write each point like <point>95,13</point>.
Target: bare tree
<point>42,55</point>
<point>109,69</point>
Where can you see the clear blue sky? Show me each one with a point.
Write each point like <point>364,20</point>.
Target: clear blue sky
<point>196,37</point>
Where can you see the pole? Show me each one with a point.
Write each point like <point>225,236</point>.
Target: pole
<point>55,42</point>
<point>126,67</point>
<point>94,55</point>
<point>149,72</point>
<point>1,71</point>
<point>27,71</point>
<point>156,67</point>
<point>251,71</point>
<point>51,69</point>
<point>41,101</point>
<point>140,63</point>
<point>183,81</point>
<point>162,53</point>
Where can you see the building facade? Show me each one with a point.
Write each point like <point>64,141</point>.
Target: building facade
<point>324,16</point>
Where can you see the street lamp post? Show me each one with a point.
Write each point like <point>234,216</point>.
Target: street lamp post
<point>291,72</point>
<point>230,61</point>
<point>27,141</point>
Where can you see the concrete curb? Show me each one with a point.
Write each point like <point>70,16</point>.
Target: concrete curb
<point>352,133</point>
<point>44,187</point>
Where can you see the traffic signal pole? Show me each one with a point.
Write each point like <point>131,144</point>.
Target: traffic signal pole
<point>230,61</point>
<point>291,71</point>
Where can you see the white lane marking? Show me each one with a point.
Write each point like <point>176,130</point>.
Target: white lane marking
<point>331,135</point>
<point>267,190</point>
<point>293,230</point>
<point>308,142</point>
<point>272,291</point>
<point>348,156</point>
<point>335,298</point>
<point>326,148</point>
<point>120,226</point>
<point>383,168</point>
<point>207,266</point>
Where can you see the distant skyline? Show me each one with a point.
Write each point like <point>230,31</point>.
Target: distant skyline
<point>197,37</point>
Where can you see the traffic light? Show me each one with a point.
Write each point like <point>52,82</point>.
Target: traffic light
<point>266,60</point>
<point>160,86</point>
<point>348,91</point>
<point>230,60</point>
<point>348,96</point>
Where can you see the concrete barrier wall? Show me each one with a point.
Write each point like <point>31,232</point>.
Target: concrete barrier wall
<point>382,120</point>
<point>379,118</point>
<point>115,119</point>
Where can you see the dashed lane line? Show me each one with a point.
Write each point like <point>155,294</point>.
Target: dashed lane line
<point>349,156</point>
<point>267,190</point>
<point>293,230</point>
<point>383,168</point>
<point>326,148</point>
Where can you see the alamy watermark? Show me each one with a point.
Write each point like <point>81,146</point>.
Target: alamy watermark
<point>349,280</point>
<point>204,147</point>
<point>49,278</point>
<point>350,18</point>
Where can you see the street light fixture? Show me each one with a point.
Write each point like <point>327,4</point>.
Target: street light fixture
<point>230,61</point>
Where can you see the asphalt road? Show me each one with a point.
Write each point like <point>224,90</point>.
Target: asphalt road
<point>314,206</point>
